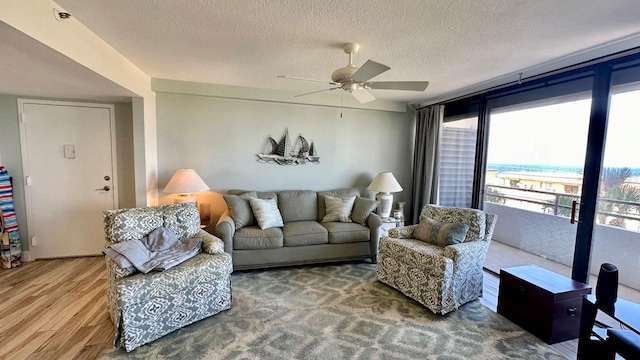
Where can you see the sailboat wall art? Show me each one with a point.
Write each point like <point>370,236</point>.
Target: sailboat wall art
<point>283,153</point>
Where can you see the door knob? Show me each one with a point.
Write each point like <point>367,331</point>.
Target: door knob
<point>105,188</point>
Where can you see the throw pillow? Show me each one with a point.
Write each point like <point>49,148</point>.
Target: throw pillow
<point>239,208</point>
<point>362,207</point>
<point>338,208</point>
<point>441,234</point>
<point>266,212</point>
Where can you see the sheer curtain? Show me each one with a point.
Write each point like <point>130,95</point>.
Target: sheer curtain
<point>425,158</point>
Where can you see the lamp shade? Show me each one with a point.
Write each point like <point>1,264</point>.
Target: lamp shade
<point>185,181</point>
<point>385,182</point>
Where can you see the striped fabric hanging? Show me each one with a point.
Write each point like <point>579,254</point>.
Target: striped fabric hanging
<point>11,247</point>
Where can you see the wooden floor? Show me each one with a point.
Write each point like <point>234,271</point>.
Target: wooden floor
<point>56,309</point>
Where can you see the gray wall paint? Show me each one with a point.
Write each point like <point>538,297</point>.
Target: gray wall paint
<point>12,158</point>
<point>124,149</point>
<point>220,137</point>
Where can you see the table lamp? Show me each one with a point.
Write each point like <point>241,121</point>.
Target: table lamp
<point>185,182</point>
<point>385,184</point>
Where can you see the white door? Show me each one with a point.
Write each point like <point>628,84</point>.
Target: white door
<point>68,155</point>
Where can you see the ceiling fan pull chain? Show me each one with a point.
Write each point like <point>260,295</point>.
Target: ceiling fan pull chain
<point>341,98</point>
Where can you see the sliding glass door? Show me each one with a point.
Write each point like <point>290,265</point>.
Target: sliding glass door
<point>535,158</point>
<point>616,236</point>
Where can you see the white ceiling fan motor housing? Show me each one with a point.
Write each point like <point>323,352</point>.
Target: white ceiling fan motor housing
<point>343,75</point>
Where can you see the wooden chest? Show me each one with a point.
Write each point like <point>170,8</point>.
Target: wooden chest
<point>542,302</point>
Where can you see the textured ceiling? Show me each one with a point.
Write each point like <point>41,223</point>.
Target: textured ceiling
<point>453,44</point>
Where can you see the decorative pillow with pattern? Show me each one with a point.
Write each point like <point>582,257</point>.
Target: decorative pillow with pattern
<point>338,208</point>
<point>266,212</point>
<point>475,218</point>
<point>441,234</point>
<point>362,208</point>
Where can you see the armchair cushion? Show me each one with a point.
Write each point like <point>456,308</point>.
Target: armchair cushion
<point>439,233</point>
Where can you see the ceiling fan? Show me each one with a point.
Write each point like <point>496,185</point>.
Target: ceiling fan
<point>356,80</point>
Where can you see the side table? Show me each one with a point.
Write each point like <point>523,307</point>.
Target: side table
<point>387,224</point>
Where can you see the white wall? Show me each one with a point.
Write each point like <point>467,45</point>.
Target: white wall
<point>219,137</point>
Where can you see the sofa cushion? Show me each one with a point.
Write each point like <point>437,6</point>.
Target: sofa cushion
<point>240,209</point>
<point>300,233</point>
<point>338,208</point>
<point>298,205</point>
<point>362,208</point>
<point>266,212</point>
<point>335,193</point>
<point>252,237</point>
<point>439,233</point>
<point>340,232</point>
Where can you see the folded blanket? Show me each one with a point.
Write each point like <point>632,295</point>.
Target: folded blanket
<point>161,250</point>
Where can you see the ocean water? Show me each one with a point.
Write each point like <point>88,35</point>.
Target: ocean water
<point>544,168</point>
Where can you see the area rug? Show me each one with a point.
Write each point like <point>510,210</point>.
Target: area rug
<point>339,312</point>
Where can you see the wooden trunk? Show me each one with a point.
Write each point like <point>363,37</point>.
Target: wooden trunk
<point>542,302</point>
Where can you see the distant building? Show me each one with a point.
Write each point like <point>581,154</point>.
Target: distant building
<point>569,183</point>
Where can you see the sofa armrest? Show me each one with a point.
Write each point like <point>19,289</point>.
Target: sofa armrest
<point>373,223</point>
<point>225,229</point>
<point>403,232</point>
<point>468,254</point>
<point>210,244</point>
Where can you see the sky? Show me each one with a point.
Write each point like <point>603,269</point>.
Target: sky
<point>557,134</point>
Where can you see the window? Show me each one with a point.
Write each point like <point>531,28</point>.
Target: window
<point>457,162</point>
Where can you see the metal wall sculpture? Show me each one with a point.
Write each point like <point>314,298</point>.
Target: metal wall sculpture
<point>282,153</point>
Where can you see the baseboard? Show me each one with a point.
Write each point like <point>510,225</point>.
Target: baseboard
<point>26,256</point>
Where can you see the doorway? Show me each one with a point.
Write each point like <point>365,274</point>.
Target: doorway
<point>68,158</point>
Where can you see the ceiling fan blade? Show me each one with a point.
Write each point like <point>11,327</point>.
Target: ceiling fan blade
<point>362,95</point>
<point>398,85</point>
<point>313,92</point>
<point>305,79</point>
<point>369,70</point>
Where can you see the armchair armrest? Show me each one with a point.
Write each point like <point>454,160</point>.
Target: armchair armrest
<point>469,254</point>
<point>210,244</point>
<point>226,228</point>
<point>404,232</point>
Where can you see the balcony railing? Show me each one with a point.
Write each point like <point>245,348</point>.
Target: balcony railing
<point>552,202</point>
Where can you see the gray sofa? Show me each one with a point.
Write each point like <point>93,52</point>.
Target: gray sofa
<point>303,238</point>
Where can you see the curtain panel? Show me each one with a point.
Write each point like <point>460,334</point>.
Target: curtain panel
<point>426,158</point>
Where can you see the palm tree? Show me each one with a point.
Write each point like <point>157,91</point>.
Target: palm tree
<point>613,187</point>
<point>563,206</point>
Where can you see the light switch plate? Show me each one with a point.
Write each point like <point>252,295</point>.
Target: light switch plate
<point>69,151</point>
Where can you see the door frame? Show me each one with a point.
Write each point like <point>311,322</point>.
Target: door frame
<point>25,160</point>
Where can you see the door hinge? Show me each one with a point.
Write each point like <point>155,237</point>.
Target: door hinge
<point>27,181</point>
<point>23,117</point>
<point>34,241</point>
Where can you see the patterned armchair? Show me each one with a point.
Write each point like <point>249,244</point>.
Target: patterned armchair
<point>145,307</point>
<point>440,278</point>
